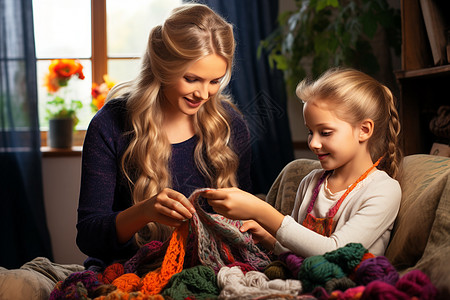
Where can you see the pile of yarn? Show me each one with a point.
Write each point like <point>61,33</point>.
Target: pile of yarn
<point>351,272</point>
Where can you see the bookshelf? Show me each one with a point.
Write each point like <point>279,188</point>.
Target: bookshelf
<point>424,86</point>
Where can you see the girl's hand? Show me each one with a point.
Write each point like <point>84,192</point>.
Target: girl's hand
<point>259,234</point>
<point>169,207</point>
<point>233,203</point>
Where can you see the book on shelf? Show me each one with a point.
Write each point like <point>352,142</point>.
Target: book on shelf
<point>436,31</point>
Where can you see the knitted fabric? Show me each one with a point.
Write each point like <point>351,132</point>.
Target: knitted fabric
<point>220,242</point>
<point>76,286</point>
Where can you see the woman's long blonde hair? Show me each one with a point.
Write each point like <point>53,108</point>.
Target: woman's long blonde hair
<point>356,96</point>
<point>190,33</point>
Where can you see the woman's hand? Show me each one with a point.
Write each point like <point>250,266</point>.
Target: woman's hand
<point>169,207</point>
<point>259,234</point>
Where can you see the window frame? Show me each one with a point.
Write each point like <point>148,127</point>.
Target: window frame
<point>99,62</point>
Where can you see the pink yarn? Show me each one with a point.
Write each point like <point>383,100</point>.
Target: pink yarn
<point>376,268</point>
<point>417,284</point>
<point>292,261</point>
<point>379,290</point>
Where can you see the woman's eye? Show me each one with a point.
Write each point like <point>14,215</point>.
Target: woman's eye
<point>326,133</point>
<point>190,80</point>
<point>215,82</point>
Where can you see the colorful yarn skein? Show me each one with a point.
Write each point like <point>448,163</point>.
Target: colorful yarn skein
<point>235,285</point>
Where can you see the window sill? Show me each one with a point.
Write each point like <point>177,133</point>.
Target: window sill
<point>75,150</point>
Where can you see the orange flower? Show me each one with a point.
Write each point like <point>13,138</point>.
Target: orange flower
<point>60,72</point>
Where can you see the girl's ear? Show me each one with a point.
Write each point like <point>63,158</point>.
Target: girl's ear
<point>365,130</point>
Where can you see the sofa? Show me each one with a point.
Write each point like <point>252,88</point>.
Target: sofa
<point>421,235</point>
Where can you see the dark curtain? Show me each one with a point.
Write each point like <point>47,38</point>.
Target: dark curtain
<point>258,90</point>
<point>24,233</point>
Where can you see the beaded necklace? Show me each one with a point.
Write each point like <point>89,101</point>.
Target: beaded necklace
<point>325,226</point>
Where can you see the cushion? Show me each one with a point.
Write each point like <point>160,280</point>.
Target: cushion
<point>421,234</point>
<point>282,193</point>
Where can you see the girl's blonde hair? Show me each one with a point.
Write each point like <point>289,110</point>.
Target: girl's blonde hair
<point>355,97</point>
<point>191,32</point>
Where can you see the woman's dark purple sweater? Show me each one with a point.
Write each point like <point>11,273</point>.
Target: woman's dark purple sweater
<point>105,191</point>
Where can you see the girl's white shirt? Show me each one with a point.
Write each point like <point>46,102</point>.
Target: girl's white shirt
<point>366,216</point>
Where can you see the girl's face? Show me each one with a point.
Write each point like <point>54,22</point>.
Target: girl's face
<point>334,141</point>
<point>200,82</point>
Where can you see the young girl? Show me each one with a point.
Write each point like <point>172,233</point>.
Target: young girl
<point>353,129</point>
<point>167,133</point>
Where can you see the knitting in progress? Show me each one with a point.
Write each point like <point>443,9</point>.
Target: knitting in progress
<point>208,257</point>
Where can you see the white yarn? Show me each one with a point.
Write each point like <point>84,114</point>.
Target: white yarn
<point>236,285</point>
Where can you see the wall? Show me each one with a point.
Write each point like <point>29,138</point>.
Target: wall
<point>61,176</point>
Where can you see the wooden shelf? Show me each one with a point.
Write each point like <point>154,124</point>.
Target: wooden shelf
<point>423,87</point>
<point>428,72</point>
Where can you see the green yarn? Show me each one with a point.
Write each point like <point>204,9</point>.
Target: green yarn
<point>347,257</point>
<point>318,270</point>
<point>277,270</point>
<point>341,284</point>
<point>199,281</point>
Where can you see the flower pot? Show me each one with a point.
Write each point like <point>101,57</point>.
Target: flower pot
<point>60,133</point>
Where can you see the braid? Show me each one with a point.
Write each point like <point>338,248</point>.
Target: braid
<point>393,156</point>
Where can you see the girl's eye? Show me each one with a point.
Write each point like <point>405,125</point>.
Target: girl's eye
<point>310,132</point>
<point>190,80</point>
<point>215,82</point>
<point>326,133</point>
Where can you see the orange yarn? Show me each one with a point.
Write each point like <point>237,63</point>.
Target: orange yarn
<point>119,295</point>
<point>129,282</point>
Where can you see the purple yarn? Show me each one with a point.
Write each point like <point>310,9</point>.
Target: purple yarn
<point>292,261</point>
<point>142,255</point>
<point>68,287</point>
<point>376,268</point>
<point>417,284</point>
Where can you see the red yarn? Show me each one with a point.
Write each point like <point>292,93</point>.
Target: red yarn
<point>378,290</point>
<point>243,266</point>
<point>112,272</point>
<point>350,294</point>
<point>417,284</point>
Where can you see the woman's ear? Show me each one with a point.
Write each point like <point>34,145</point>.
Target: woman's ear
<point>365,130</point>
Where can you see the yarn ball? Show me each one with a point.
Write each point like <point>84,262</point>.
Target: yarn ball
<point>382,290</point>
<point>377,268</point>
<point>417,284</point>
<point>76,284</point>
<point>129,282</point>
<point>292,261</point>
<point>111,272</point>
<point>347,257</point>
<point>277,270</point>
<point>198,282</point>
<point>351,293</point>
<point>341,284</point>
<point>316,270</point>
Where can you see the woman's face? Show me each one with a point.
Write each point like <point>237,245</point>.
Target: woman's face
<point>200,82</point>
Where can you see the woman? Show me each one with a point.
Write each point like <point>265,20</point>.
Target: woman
<point>168,132</point>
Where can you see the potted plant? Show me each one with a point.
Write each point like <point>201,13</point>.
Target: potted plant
<point>319,34</point>
<point>61,114</point>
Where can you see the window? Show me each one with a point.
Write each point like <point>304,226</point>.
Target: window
<point>107,36</point>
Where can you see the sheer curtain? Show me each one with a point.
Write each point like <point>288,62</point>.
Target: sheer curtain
<point>24,233</point>
<point>259,91</point>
